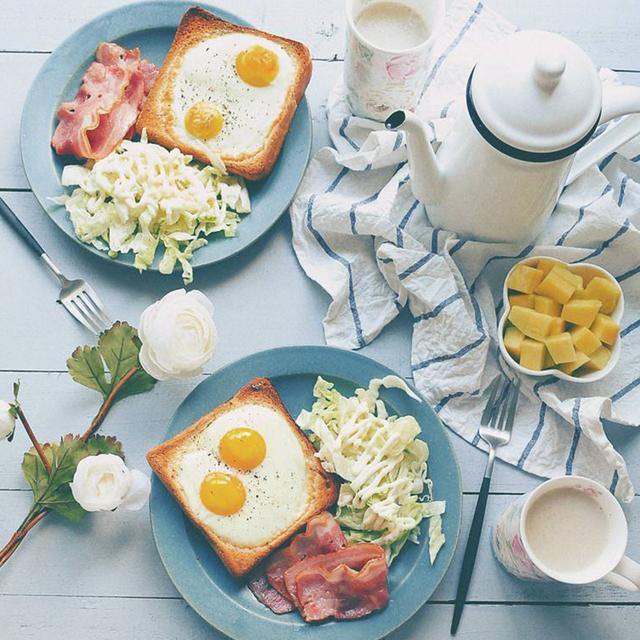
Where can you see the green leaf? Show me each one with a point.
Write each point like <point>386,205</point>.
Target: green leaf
<point>52,491</point>
<point>103,366</point>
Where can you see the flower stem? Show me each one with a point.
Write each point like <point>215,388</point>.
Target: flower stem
<point>106,405</point>
<point>35,515</point>
<point>32,437</point>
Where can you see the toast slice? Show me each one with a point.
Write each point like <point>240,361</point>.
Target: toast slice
<point>166,460</point>
<point>158,116</point>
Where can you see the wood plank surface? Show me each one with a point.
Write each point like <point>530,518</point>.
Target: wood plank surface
<point>103,578</point>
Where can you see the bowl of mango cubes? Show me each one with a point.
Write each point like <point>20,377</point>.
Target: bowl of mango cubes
<point>561,319</point>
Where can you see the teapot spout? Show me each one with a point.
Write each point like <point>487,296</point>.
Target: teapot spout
<point>426,176</point>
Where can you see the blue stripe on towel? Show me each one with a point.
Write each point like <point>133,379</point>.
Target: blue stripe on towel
<point>632,327</point>
<point>404,222</point>
<point>534,436</point>
<point>445,110</point>
<point>614,482</point>
<point>456,41</point>
<point>398,141</point>
<point>628,274</point>
<point>596,252</point>
<point>434,240</point>
<point>342,131</point>
<point>623,186</point>
<point>575,414</point>
<point>457,246</point>
<point>448,356</point>
<point>623,392</point>
<point>603,163</point>
<point>476,439</point>
<point>416,265</point>
<point>343,261</point>
<point>352,211</point>
<point>438,308</point>
<point>443,403</point>
<point>543,383</point>
<point>563,237</point>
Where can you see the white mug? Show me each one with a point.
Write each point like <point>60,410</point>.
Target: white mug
<point>512,546</point>
<point>381,80</point>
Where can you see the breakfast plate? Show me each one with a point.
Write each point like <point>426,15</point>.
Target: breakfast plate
<point>224,601</point>
<point>151,26</point>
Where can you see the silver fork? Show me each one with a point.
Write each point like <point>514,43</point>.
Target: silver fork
<point>76,296</point>
<point>496,424</point>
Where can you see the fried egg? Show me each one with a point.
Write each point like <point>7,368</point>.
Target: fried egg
<point>245,476</point>
<point>228,92</point>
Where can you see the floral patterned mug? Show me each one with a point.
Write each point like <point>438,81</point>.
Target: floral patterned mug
<point>383,79</point>
<point>527,551</point>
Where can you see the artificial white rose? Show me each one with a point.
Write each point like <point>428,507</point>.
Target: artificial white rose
<point>103,483</point>
<point>178,335</point>
<point>7,420</point>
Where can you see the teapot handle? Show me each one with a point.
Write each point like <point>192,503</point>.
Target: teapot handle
<point>617,101</point>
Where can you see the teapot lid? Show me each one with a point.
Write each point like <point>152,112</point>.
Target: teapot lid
<point>535,96</point>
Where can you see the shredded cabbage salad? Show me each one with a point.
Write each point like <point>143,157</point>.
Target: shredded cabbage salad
<point>142,196</point>
<point>382,462</point>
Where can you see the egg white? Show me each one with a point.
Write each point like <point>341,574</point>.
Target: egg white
<point>207,73</point>
<point>277,491</point>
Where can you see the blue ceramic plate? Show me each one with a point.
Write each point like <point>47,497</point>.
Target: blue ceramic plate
<point>150,26</point>
<point>225,602</point>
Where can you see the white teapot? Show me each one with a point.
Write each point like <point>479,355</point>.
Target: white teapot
<point>532,104</point>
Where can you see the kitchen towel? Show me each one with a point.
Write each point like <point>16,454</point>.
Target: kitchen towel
<point>360,234</point>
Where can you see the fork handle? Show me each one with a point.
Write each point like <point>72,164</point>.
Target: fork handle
<point>470,553</point>
<point>22,231</point>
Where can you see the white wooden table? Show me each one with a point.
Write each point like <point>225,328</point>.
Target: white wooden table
<point>103,579</point>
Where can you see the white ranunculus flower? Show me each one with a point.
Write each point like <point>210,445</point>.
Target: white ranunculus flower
<point>178,335</point>
<point>103,483</point>
<point>7,420</point>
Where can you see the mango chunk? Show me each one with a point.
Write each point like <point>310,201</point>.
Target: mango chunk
<point>524,278</point>
<point>548,361</point>
<point>522,300</point>
<point>513,341</point>
<point>599,359</point>
<point>605,329</point>
<point>531,323</point>
<point>584,340</point>
<point>581,312</point>
<point>546,264</point>
<point>532,354</point>
<point>604,290</point>
<point>558,325</point>
<point>570,367</point>
<point>555,287</point>
<point>547,305</point>
<point>561,348</point>
<point>569,276</point>
<point>581,294</point>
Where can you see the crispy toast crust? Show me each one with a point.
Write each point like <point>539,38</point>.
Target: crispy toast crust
<point>157,115</point>
<point>321,487</point>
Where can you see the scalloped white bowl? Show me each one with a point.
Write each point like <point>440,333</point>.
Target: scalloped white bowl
<point>616,315</point>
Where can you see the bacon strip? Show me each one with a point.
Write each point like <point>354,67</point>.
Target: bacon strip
<point>268,596</point>
<point>343,593</point>
<point>354,557</point>
<point>323,535</point>
<point>107,104</point>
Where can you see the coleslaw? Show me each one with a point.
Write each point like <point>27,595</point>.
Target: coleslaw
<point>143,196</point>
<point>382,462</point>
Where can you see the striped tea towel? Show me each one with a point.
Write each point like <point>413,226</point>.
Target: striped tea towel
<point>359,232</point>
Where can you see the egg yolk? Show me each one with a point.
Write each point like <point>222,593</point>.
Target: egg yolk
<point>257,66</point>
<point>203,120</point>
<point>242,448</point>
<point>222,493</point>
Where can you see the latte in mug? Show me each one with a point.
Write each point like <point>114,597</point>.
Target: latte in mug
<point>569,529</point>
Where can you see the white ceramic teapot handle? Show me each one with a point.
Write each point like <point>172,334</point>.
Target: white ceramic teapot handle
<point>626,575</point>
<point>617,100</point>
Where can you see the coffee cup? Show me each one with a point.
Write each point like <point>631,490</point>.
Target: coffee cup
<point>388,49</point>
<point>569,529</point>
